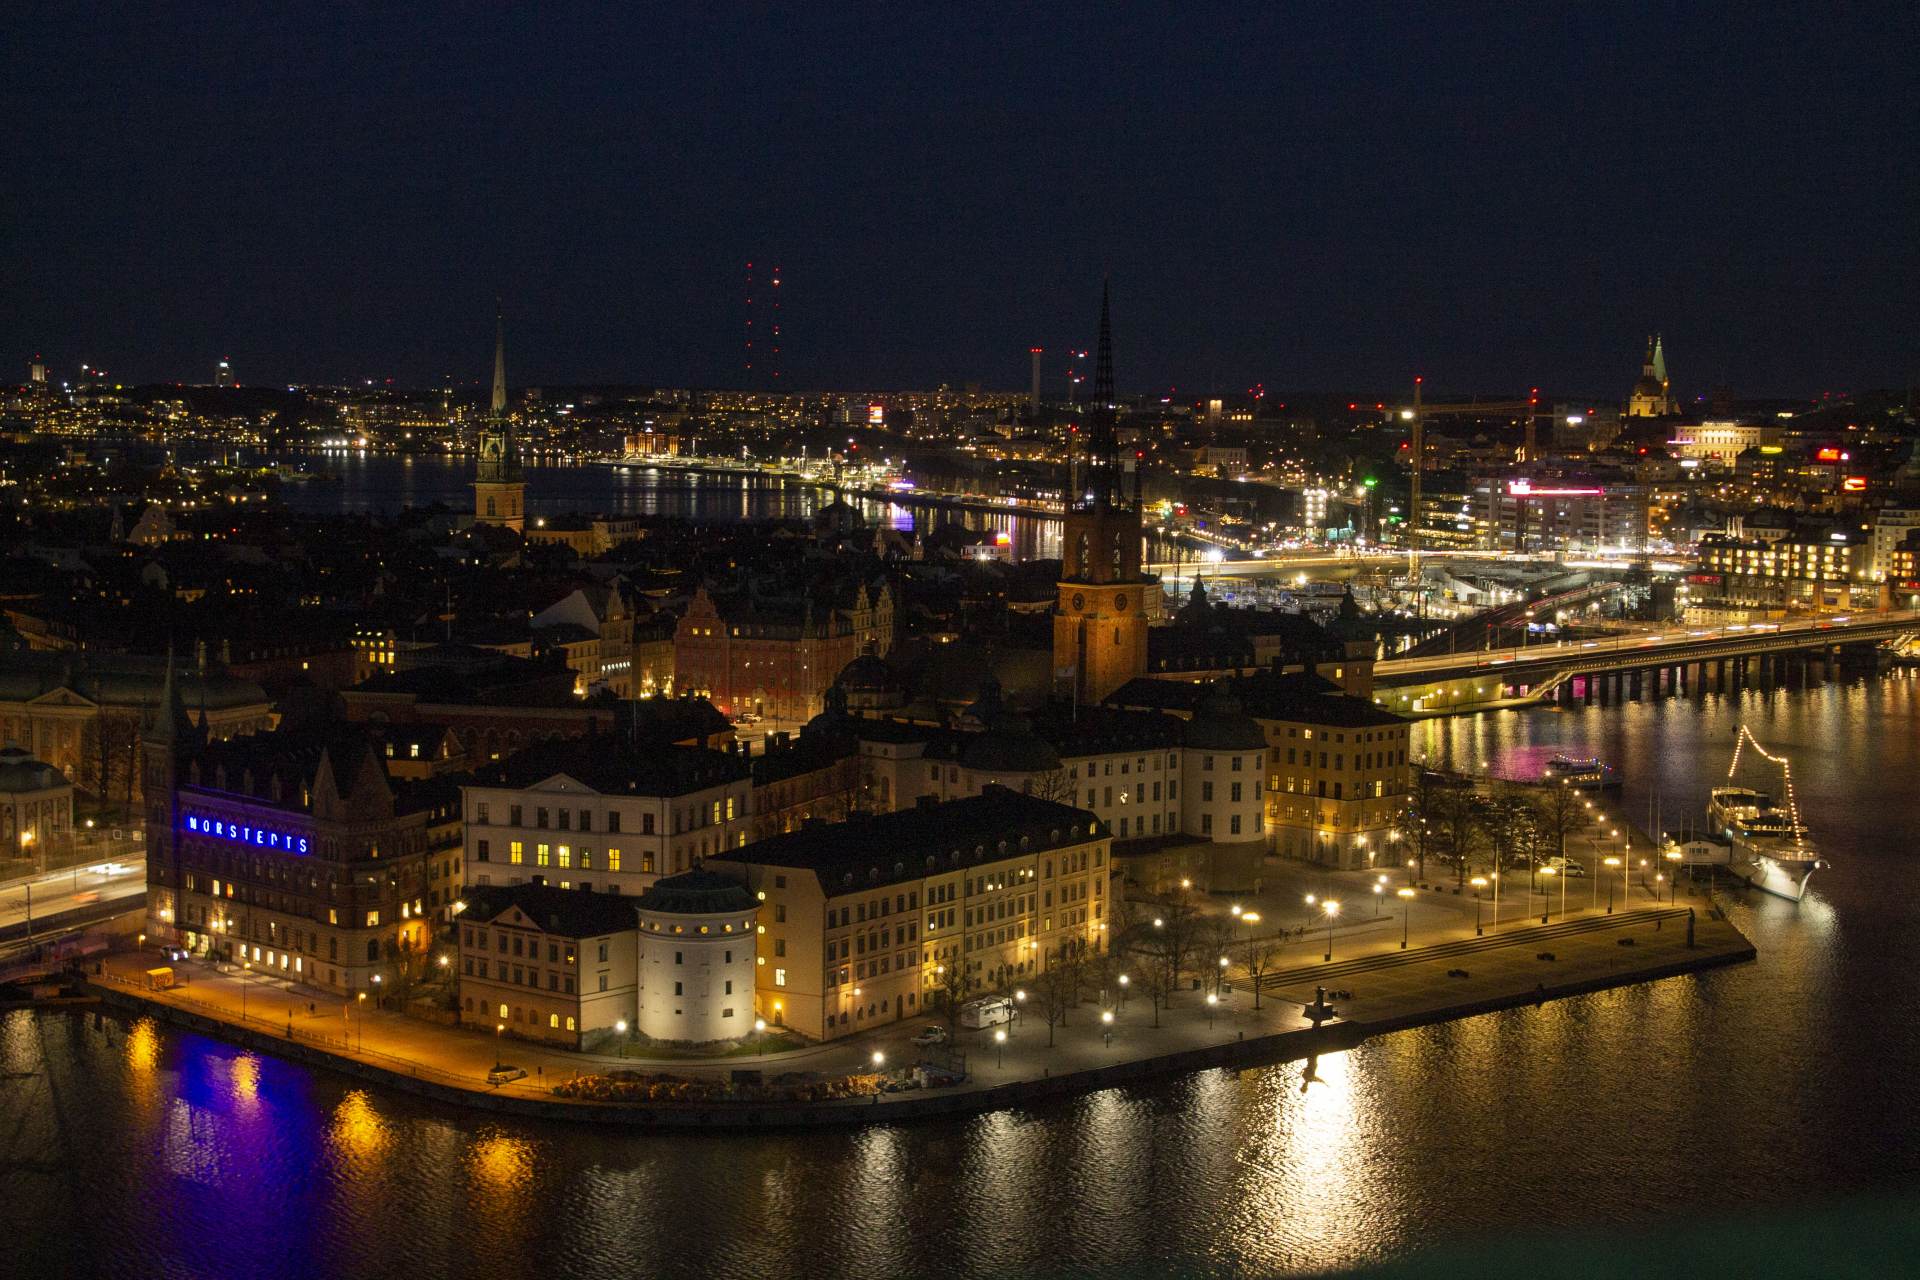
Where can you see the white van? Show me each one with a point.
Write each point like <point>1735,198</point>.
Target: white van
<point>990,1012</point>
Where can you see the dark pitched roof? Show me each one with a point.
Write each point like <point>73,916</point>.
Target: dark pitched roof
<point>870,850</point>
<point>1265,695</point>
<point>570,913</point>
<point>616,765</point>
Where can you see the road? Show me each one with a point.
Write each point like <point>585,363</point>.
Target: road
<point>1677,640</point>
<point>70,888</point>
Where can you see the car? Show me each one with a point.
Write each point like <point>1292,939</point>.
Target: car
<point>930,1035</point>
<point>504,1074</point>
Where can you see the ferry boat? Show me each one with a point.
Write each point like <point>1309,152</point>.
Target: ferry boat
<point>1770,848</point>
<point>1590,774</point>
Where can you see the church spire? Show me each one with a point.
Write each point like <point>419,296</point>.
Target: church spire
<point>1103,365</point>
<point>1104,478</point>
<point>499,361</point>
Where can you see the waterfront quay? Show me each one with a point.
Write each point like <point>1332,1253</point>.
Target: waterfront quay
<point>1447,970</point>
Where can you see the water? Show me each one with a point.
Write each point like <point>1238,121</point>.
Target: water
<point>382,484</point>
<point>1752,1095</point>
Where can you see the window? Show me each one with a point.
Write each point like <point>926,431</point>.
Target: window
<point>565,853</point>
<point>779,913</point>
<point>1206,793</point>
<point>586,819</point>
<point>779,977</point>
<point>513,818</point>
<point>613,822</point>
<point>482,814</point>
<point>603,953</point>
<point>480,851</point>
<point>613,859</point>
<point>729,990</point>
<point>542,856</point>
<point>677,989</point>
<point>646,824</point>
<point>503,1013</point>
<point>373,919</point>
<point>569,1024</point>
<point>540,817</point>
<point>553,1021</point>
<point>516,853</point>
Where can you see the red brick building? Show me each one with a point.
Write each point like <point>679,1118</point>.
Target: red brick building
<point>776,657</point>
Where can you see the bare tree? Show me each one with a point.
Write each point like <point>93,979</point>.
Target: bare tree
<point>1059,991</point>
<point>1216,937</point>
<point>1562,811</point>
<point>1456,822</point>
<point>954,988</point>
<point>1055,784</point>
<point>1263,954</point>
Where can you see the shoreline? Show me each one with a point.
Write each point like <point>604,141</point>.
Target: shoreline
<point>1596,967</point>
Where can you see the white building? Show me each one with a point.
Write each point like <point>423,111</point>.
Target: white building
<point>1890,528</point>
<point>696,958</point>
<point>597,813</point>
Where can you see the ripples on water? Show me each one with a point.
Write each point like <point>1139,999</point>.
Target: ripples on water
<point>1766,1089</point>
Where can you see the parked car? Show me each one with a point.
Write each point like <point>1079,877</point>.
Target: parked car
<point>931,1035</point>
<point>505,1075</point>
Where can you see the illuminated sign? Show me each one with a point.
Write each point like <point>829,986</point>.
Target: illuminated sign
<point>241,833</point>
<point>1525,489</point>
<point>876,415</point>
<point>1854,484</point>
<point>1829,454</point>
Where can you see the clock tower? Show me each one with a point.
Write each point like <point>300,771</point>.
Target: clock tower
<point>499,490</point>
<point>1100,620</point>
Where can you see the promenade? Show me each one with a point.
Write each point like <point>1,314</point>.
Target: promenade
<point>1449,973</point>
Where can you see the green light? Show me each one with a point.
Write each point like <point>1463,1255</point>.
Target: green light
<point>1371,482</point>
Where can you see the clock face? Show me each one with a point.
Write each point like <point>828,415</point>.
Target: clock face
<point>1079,601</point>
<point>1120,601</point>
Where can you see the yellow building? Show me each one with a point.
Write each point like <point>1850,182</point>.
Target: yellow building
<point>871,920</point>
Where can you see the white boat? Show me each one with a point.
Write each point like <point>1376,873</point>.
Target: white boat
<point>1589,774</point>
<point>1770,848</point>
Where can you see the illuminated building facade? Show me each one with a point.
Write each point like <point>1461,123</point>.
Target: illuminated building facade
<point>869,921</point>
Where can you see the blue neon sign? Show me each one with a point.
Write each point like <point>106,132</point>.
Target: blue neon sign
<point>244,834</point>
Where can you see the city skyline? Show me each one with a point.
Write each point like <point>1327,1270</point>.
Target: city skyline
<point>1291,200</point>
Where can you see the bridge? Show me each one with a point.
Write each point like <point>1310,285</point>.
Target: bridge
<point>1673,660</point>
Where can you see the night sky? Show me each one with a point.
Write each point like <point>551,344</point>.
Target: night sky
<point>1314,197</point>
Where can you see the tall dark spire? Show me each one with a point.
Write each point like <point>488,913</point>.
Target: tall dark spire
<point>499,360</point>
<point>1105,480</point>
<point>1103,364</point>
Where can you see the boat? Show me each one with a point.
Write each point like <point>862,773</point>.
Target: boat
<point>1590,774</point>
<point>1771,850</point>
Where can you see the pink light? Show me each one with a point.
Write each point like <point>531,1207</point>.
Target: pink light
<point>1525,489</point>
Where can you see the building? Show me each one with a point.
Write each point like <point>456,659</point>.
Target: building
<point>1810,568</point>
<point>611,814</point>
<point>776,654</point>
<point>82,712</point>
<point>1336,773</point>
<point>1651,396</point>
<point>697,958</point>
<point>293,851</point>
<point>1892,527</point>
<point>499,488</point>
<point>1100,618</point>
<point>879,918</point>
<point>1518,513</point>
<point>547,964</point>
<point>36,806</point>
<point>1722,440</point>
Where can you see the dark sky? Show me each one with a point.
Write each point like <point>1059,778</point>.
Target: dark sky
<point>1323,196</point>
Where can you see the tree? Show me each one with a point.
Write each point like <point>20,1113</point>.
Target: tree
<point>1262,955</point>
<point>1562,811</point>
<point>1059,991</point>
<point>954,987</point>
<point>1429,789</point>
<point>1217,937</point>
<point>1456,826</point>
<point>1055,785</point>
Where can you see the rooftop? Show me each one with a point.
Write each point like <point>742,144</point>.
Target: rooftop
<point>569,913</point>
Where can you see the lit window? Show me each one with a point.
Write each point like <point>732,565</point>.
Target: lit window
<point>516,853</point>
<point>779,977</point>
<point>373,919</point>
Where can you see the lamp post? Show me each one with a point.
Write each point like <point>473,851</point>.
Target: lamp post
<point>1019,1005</point>
<point>1220,977</point>
<point>1310,900</point>
<point>1546,895</point>
<point>1611,862</point>
<point>1332,909</point>
<point>1406,914</point>
<point>246,967</point>
<point>360,1035</point>
<point>1479,905</point>
<point>1673,891</point>
<point>1494,875</point>
<point>1379,892</point>
<point>760,1034</point>
<point>1106,1025</point>
<point>1213,1000</point>
<point>1000,1045</point>
<point>499,1029</point>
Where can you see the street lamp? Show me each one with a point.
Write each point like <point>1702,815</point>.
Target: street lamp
<point>1406,913</point>
<point>1125,982</point>
<point>1212,1001</point>
<point>760,1035</point>
<point>1379,892</point>
<point>1479,905</point>
<point>1310,900</point>
<point>499,1029</point>
<point>360,1036</point>
<point>1332,909</point>
<point>246,967</point>
<point>1019,1005</point>
<point>1675,857</point>
<point>1613,862</point>
<point>1000,1044</point>
<point>1106,1024</point>
<point>879,1060</point>
<point>1546,895</point>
